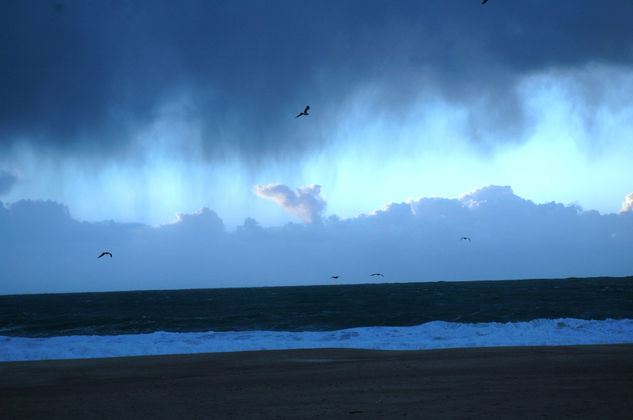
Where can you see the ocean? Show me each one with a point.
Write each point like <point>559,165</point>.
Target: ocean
<point>394,316</point>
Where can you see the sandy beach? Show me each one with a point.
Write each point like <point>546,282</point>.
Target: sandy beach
<point>518,382</point>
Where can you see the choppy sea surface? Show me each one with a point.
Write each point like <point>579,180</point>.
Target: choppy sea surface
<point>398,316</point>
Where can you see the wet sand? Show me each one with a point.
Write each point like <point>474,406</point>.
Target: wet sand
<point>517,382</point>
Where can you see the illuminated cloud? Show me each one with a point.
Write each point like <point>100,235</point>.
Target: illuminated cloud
<point>627,204</point>
<point>305,202</point>
<point>489,195</point>
<point>204,220</point>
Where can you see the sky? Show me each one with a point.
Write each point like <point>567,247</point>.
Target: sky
<point>166,133</point>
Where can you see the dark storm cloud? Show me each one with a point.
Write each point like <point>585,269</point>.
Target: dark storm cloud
<point>92,73</point>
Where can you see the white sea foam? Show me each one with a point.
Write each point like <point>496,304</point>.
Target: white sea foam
<point>432,335</point>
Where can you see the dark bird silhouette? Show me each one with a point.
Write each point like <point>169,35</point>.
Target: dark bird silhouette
<point>377,274</point>
<point>464,238</point>
<point>105,253</point>
<point>335,277</point>
<point>305,112</point>
<point>484,1</point>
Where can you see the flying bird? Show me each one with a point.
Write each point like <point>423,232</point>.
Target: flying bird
<point>464,238</point>
<point>377,274</point>
<point>305,112</point>
<point>484,1</point>
<point>105,253</point>
<point>335,277</point>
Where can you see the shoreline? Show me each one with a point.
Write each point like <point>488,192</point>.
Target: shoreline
<point>583,381</point>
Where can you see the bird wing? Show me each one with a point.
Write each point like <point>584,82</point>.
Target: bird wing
<point>298,115</point>
<point>484,1</point>
<point>102,254</point>
<point>306,110</point>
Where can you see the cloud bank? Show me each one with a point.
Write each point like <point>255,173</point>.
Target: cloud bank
<point>305,202</point>
<point>45,250</point>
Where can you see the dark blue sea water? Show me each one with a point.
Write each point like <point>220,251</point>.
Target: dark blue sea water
<point>268,317</point>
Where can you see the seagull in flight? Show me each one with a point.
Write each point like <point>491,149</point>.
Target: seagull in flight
<point>464,238</point>
<point>105,253</point>
<point>377,274</point>
<point>335,277</point>
<point>305,112</point>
